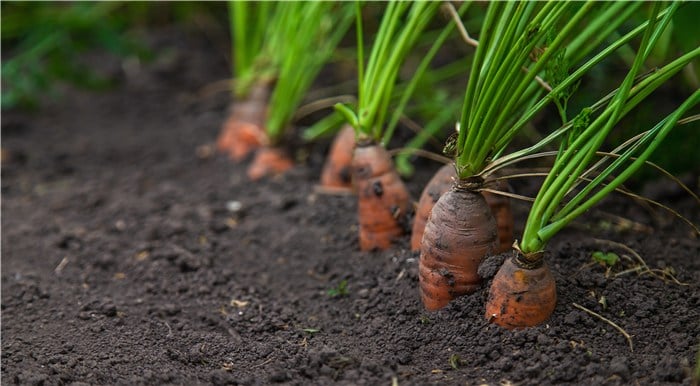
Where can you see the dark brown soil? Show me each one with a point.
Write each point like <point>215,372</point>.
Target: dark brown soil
<point>130,256</point>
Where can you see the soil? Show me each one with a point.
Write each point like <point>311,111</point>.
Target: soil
<point>133,255</point>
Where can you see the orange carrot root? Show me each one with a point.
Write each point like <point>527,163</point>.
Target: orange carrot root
<point>269,161</point>
<point>337,171</point>
<point>441,182</point>
<point>239,138</point>
<point>460,233</point>
<point>520,295</point>
<point>243,131</point>
<point>383,200</point>
<point>501,208</point>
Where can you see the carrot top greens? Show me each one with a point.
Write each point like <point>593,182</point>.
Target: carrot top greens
<point>518,43</point>
<point>557,202</point>
<point>400,28</point>
<point>248,21</point>
<point>284,44</point>
<point>316,28</point>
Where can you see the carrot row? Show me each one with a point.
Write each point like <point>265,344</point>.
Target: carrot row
<point>454,227</point>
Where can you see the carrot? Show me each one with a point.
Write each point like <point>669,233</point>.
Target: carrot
<point>460,232</point>
<point>523,293</point>
<point>337,171</point>
<point>243,131</point>
<point>383,200</point>
<point>269,161</point>
<point>441,182</point>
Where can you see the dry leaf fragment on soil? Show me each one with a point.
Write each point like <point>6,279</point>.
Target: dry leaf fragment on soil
<point>238,303</point>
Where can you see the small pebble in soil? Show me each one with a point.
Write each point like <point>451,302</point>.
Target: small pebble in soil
<point>234,206</point>
<point>84,315</point>
<point>534,370</point>
<point>109,309</point>
<point>670,370</point>
<point>504,364</point>
<point>120,225</point>
<point>573,318</point>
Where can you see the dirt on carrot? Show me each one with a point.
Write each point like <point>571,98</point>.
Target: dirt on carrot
<point>384,204</point>
<point>460,232</point>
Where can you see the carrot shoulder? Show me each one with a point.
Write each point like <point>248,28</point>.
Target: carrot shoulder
<point>383,200</point>
<point>441,182</point>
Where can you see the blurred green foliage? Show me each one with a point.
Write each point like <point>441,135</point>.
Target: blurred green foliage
<point>41,41</point>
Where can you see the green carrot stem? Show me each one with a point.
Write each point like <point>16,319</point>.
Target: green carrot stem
<point>316,27</point>
<point>525,81</point>
<point>501,91</point>
<point>575,76</point>
<point>349,115</point>
<point>466,134</point>
<point>370,83</point>
<point>573,161</point>
<point>656,135</point>
<point>359,36</point>
<point>659,78</point>
<point>600,27</point>
<point>326,125</point>
<point>384,36</point>
<point>499,62</point>
<point>417,76</point>
<point>580,158</point>
<point>418,18</point>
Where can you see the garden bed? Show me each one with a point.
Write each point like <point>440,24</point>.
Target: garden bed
<point>133,255</point>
